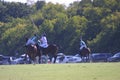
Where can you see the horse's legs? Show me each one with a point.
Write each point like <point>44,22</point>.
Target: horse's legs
<point>25,58</point>
<point>45,59</point>
<point>37,59</point>
<point>50,59</point>
<point>40,59</point>
<point>82,58</point>
<point>33,57</point>
<point>55,57</point>
<point>88,58</point>
<point>39,54</point>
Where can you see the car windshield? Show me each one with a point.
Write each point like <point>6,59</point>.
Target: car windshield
<point>117,55</point>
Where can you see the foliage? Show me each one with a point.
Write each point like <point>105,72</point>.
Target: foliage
<point>40,4</point>
<point>13,38</point>
<point>96,21</point>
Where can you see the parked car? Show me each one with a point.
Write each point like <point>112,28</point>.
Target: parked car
<point>60,57</point>
<point>77,55</point>
<point>68,59</point>
<point>45,59</point>
<point>114,58</point>
<point>20,60</point>
<point>100,57</point>
<point>4,60</point>
<point>74,59</point>
<point>60,54</point>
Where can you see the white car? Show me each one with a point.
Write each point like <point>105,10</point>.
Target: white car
<point>68,59</point>
<point>72,59</point>
<point>18,61</point>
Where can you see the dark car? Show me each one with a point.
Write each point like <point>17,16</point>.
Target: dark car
<point>4,60</point>
<point>100,57</point>
<point>114,58</point>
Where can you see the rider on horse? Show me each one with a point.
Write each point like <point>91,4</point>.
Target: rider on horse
<point>82,44</point>
<point>33,40</point>
<point>43,41</point>
<point>84,51</point>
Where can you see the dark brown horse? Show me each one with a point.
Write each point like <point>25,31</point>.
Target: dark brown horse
<point>85,54</point>
<point>51,51</point>
<point>32,51</point>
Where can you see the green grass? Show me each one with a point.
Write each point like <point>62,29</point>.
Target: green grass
<point>80,71</point>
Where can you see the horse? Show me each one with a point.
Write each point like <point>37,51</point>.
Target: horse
<point>32,50</point>
<point>51,51</point>
<point>85,54</point>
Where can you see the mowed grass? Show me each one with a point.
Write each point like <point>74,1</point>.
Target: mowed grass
<point>80,71</point>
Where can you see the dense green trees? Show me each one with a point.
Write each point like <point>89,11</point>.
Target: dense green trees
<point>97,21</point>
<point>13,38</point>
<point>109,35</point>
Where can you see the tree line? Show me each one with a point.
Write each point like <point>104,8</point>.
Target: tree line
<point>97,21</point>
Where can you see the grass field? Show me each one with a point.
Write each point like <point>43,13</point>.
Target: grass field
<point>80,71</point>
